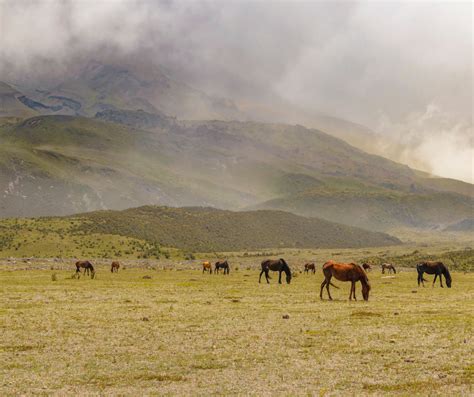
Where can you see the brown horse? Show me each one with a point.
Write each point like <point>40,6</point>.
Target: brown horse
<point>87,266</point>
<point>278,265</point>
<point>366,267</point>
<point>389,267</point>
<point>222,265</point>
<point>345,272</point>
<point>310,266</point>
<point>436,268</point>
<point>114,268</point>
<point>207,267</point>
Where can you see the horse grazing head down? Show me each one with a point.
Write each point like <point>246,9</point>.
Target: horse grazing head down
<point>365,288</point>
<point>447,277</point>
<point>287,270</point>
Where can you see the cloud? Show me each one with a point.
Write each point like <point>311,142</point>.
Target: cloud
<point>354,60</point>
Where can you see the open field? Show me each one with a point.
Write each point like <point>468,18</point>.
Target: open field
<point>184,332</point>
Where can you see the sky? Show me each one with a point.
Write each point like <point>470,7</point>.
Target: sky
<point>403,69</point>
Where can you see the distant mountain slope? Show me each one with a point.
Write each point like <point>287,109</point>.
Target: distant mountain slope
<point>10,104</point>
<point>466,225</point>
<point>64,164</point>
<point>374,208</point>
<point>100,87</point>
<point>208,229</point>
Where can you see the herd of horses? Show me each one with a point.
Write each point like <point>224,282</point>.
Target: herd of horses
<point>340,271</point>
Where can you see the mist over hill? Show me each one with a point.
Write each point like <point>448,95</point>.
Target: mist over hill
<point>114,138</point>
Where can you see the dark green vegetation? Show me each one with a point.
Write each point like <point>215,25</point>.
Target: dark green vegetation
<point>208,229</point>
<point>118,146</point>
<point>142,231</point>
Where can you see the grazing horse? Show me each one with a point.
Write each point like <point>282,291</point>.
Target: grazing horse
<point>114,268</point>
<point>222,265</point>
<point>310,266</point>
<point>389,267</point>
<point>277,265</point>
<point>207,267</point>
<point>366,267</point>
<point>345,272</point>
<point>436,268</point>
<point>87,266</point>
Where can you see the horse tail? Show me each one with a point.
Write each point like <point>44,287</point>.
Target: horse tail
<point>335,286</point>
<point>394,270</point>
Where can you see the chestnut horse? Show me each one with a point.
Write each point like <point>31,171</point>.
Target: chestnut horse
<point>436,268</point>
<point>277,265</point>
<point>388,266</point>
<point>114,268</point>
<point>87,266</point>
<point>366,266</point>
<point>310,266</point>
<point>345,272</point>
<point>222,265</point>
<point>207,267</point>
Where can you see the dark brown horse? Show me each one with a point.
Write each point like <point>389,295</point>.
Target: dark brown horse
<point>222,265</point>
<point>436,268</point>
<point>345,272</point>
<point>389,267</point>
<point>87,266</point>
<point>277,265</point>
<point>207,267</point>
<point>310,266</point>
<point>114,268</point>
<point>366,267</point>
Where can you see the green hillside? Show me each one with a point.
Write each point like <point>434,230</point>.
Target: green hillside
<point>59,165</point>
<point>376,208</point>
<point>466,225</point>
<point>144,230</point>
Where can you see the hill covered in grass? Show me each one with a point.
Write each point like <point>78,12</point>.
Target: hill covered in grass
<point>145,230</point>
<point>60,165</point>
<point>466,225</point>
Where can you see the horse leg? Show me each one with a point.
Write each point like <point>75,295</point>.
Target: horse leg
<point>279,277</point>
<point>327,288</point>
<point>267,276</point>
<point>436,276</point>
<point>352,288</point>
<point>321,291</point>
<point>260,277</point>
<point>441,281</point>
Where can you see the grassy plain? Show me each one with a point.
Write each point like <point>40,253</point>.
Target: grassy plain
<point>187,333</point>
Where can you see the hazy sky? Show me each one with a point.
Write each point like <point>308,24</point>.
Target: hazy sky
<point>401,68</point>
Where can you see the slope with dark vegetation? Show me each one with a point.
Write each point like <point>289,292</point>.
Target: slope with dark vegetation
<point>209,229</point>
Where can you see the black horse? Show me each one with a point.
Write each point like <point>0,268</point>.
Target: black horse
<point>278,265</point>
<point>87,266</point>
<point>436,268</point>
<point>222,265</point>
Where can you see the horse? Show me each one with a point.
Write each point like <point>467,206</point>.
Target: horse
<point>389,267</point>
<point>277,265</point>
<point>87,266</point>
<point>222,265</point>
<point>436,268</point>
<point>114,268</point>
<point>345,272</point>
<point>310,266</point>
<point>366,267</point>
<point>206,266</point>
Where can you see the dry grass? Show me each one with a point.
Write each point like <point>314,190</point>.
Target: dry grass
<point>187,333</point>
